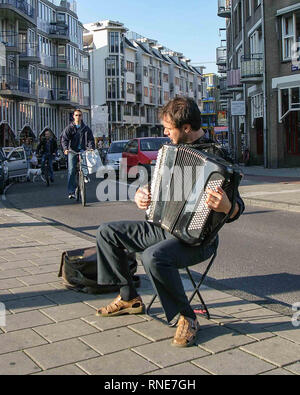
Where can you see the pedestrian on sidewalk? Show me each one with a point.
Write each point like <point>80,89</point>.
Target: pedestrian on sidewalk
<point>163,255</point>
<point>76,138</point>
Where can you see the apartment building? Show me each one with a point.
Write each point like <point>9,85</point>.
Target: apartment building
<point>263,79</point>
<point>44,70</point>
<point>134,76</point>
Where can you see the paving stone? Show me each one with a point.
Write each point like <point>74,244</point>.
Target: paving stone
<point>19,340</point>
<point>39,279</point>
<point>68,312</point>
<point>220,316</point>
<point>33,290</point>
<point>65,296</point>
<point>25,320</point>
<point>67,370</point>
<point>276,350</point>
<point>6,295</point>
<point>114,340</point>
<point>249,329</point>
<point>10,283</point>
<point>5,274</point>
<point>287,331</point>
<point>164,355</point>
<point>17,363</point>
<point>27,304</point>
<point>262,317</point>
<point>277,372</point>
<point>65,330</point>
<point>16,264</point>
<point>125,362</point>
<point>154,330</point>
<point>218,338</point>
<point>294,368</point>
<point>233,362</point>
<point>235,305</point>
<point>53,268</point>
<point>60,353</point>
<point>104,323</point>
<point>183,369</point>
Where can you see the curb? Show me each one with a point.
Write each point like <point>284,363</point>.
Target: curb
<point>270,204</point>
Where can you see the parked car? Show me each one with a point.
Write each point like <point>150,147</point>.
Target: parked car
<point>114,155</point>
<point>16,162</point>
<point>141,152</point>
<point>3,171</point>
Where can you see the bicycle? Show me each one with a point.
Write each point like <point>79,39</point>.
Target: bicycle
<point>45,174</point>
<point>80,192</point>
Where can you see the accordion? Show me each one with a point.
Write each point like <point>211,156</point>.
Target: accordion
<point>179,186</point>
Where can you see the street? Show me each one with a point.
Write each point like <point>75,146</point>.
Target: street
<point>258,257</point>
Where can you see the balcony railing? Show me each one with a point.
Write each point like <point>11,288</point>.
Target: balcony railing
<point>13,83</point>
<point>221,56</point>
<point>27,51</point>
<point>234,78</point>
<point>252,66</point>
<point>59,30</point>
<point>224,8</point>
<point>9,39</point>
<point>21,5</point>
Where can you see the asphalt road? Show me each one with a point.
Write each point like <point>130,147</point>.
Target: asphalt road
<point>258,257</point>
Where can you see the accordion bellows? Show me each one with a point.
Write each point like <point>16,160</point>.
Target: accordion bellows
<point>179,186</point>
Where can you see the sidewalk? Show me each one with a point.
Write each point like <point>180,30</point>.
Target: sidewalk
<point>278,189</point>
<point>51,330</point>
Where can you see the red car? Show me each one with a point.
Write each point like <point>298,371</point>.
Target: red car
<point>141,152</point>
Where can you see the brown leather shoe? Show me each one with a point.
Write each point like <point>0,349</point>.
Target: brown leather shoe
<point>119,307</point>
<point>186,332</point>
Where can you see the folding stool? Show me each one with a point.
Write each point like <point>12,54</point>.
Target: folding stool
<point>204,309</point>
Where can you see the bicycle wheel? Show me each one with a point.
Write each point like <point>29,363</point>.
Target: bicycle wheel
<point>82,189</point>
<point>77,191</point>
<point>46,175</point>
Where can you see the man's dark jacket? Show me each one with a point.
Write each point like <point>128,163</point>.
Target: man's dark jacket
<point>73,138</point>
<point>42,147</point>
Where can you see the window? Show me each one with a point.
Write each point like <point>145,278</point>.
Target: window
<point>145,71</point>
<point>130,66</point>
<point>287,37</point>
<point>257,107</point>
<point>257,3</point>
<point>248,8</point>
<point>130,88</point>
<point>114,42</point>
<point>146,91</point>
<point>165,77</point>
<point>127,109</point>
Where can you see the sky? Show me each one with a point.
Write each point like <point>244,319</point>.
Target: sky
<point>190,27</point>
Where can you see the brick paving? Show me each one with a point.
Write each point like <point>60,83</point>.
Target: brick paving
<point>54,331</point>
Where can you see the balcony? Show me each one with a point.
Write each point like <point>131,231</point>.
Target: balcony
<point>252,68</point>
<point>62,64</point>
<point>234,80</point>
<point>224,8</point>
<point>21,7</point>
<point>221,56</point>
<point>59,31</point>
<point>10,41</point>
<point>13,86</point>
<point>29,54</point>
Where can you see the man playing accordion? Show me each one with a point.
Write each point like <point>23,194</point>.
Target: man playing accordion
<point>162,253</point>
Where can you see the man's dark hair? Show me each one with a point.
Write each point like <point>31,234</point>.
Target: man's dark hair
<point>77,109</point>
<point>182,110</point>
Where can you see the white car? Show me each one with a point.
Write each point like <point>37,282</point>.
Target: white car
<point>16,162</point>
<point>113,156</point>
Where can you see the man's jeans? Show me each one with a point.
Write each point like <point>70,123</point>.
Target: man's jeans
<point>50,162</point>
<point>72,168</point>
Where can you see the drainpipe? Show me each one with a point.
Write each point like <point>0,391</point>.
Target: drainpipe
<point>244,85</point>
<point>266,148</point>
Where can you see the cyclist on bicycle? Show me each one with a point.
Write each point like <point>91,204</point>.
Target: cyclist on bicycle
<point>47,148</point>
<point>76,138</point>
